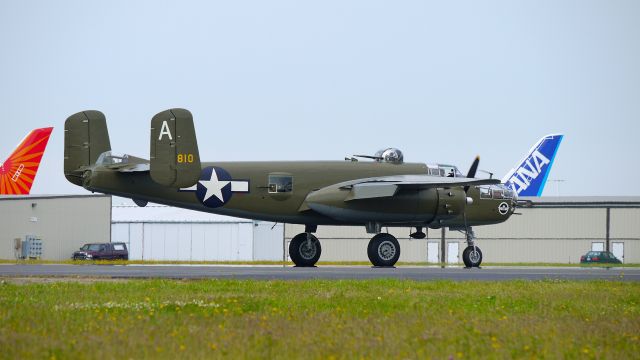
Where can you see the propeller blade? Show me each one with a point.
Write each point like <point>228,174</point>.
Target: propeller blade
<point>473,168</point>
<point>472,171</point>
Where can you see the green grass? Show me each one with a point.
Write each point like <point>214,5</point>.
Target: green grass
<point>318,319</point>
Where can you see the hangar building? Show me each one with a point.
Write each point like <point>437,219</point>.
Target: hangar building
<point>62,223</point>
<point>556,230</point>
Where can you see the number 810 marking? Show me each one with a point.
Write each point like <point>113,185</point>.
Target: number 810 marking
<point>185,158</point>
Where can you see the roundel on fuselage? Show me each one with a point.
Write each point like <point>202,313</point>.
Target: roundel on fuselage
<point>216,187</point>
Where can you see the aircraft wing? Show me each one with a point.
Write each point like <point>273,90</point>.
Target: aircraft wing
<point>388,185</point>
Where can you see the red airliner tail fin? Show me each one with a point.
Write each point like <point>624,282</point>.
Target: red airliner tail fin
<point>18,172</point>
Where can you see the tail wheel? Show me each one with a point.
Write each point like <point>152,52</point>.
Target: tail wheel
<point>383,250</point>
<point>303,251</point>
<point>472,256</point>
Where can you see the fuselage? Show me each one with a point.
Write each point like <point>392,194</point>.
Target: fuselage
<point>259,195</point>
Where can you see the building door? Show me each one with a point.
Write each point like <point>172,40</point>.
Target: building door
<point>433,252</point>
<point>617,248</point>
<point>597,246</point>
<point>452,253</point>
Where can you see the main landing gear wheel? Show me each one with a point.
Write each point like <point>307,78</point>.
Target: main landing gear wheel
<point>305,250</point>
<point>383,250</point>
<point>472,256</point>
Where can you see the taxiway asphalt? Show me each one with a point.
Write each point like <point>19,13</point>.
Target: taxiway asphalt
<point>273,272</point>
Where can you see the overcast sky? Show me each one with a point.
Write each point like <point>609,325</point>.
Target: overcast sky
<point>294,80</point>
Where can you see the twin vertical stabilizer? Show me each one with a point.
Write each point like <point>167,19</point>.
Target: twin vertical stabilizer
<point>174,162</point>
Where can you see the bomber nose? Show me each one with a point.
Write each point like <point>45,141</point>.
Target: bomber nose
<point>511,197</point>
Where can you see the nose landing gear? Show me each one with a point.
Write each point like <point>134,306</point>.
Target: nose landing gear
<point>471,256</point>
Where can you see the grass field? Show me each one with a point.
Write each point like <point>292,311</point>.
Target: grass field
<point>82,318</point>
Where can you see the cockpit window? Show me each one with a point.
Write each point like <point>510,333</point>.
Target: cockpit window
<point>280,184</point>
<point>450,171</point>
<point>502,194</point>
<point>435,171</point>
<point>497,192</point>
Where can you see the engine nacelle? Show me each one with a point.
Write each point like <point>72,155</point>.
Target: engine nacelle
<point>451,204</point>
<point>406,206</point>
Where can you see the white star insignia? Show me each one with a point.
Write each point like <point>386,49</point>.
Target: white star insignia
<point>214,187</point>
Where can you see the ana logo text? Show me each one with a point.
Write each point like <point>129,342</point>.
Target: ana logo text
<point>528,172</point>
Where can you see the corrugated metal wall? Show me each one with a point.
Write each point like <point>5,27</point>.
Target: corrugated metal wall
<point>241,241</point>
<point>63,223</point>
<point>267,241</point>
<point>625,228</point>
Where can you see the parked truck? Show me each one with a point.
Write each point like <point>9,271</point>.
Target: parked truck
<point>102,251</point>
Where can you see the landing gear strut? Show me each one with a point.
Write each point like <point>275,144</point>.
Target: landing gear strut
<point>305,250</point>
<point>471,256</point>
<point>383,250</point>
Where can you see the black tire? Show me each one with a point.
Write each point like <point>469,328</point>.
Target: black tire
<point>383,250</point>
<point>470,258</point>
<point>303,255</point>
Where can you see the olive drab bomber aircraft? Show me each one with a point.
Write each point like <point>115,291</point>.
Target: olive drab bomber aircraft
<point>379,191</point>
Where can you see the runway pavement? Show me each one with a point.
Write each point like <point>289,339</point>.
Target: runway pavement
<point>273,272</point>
